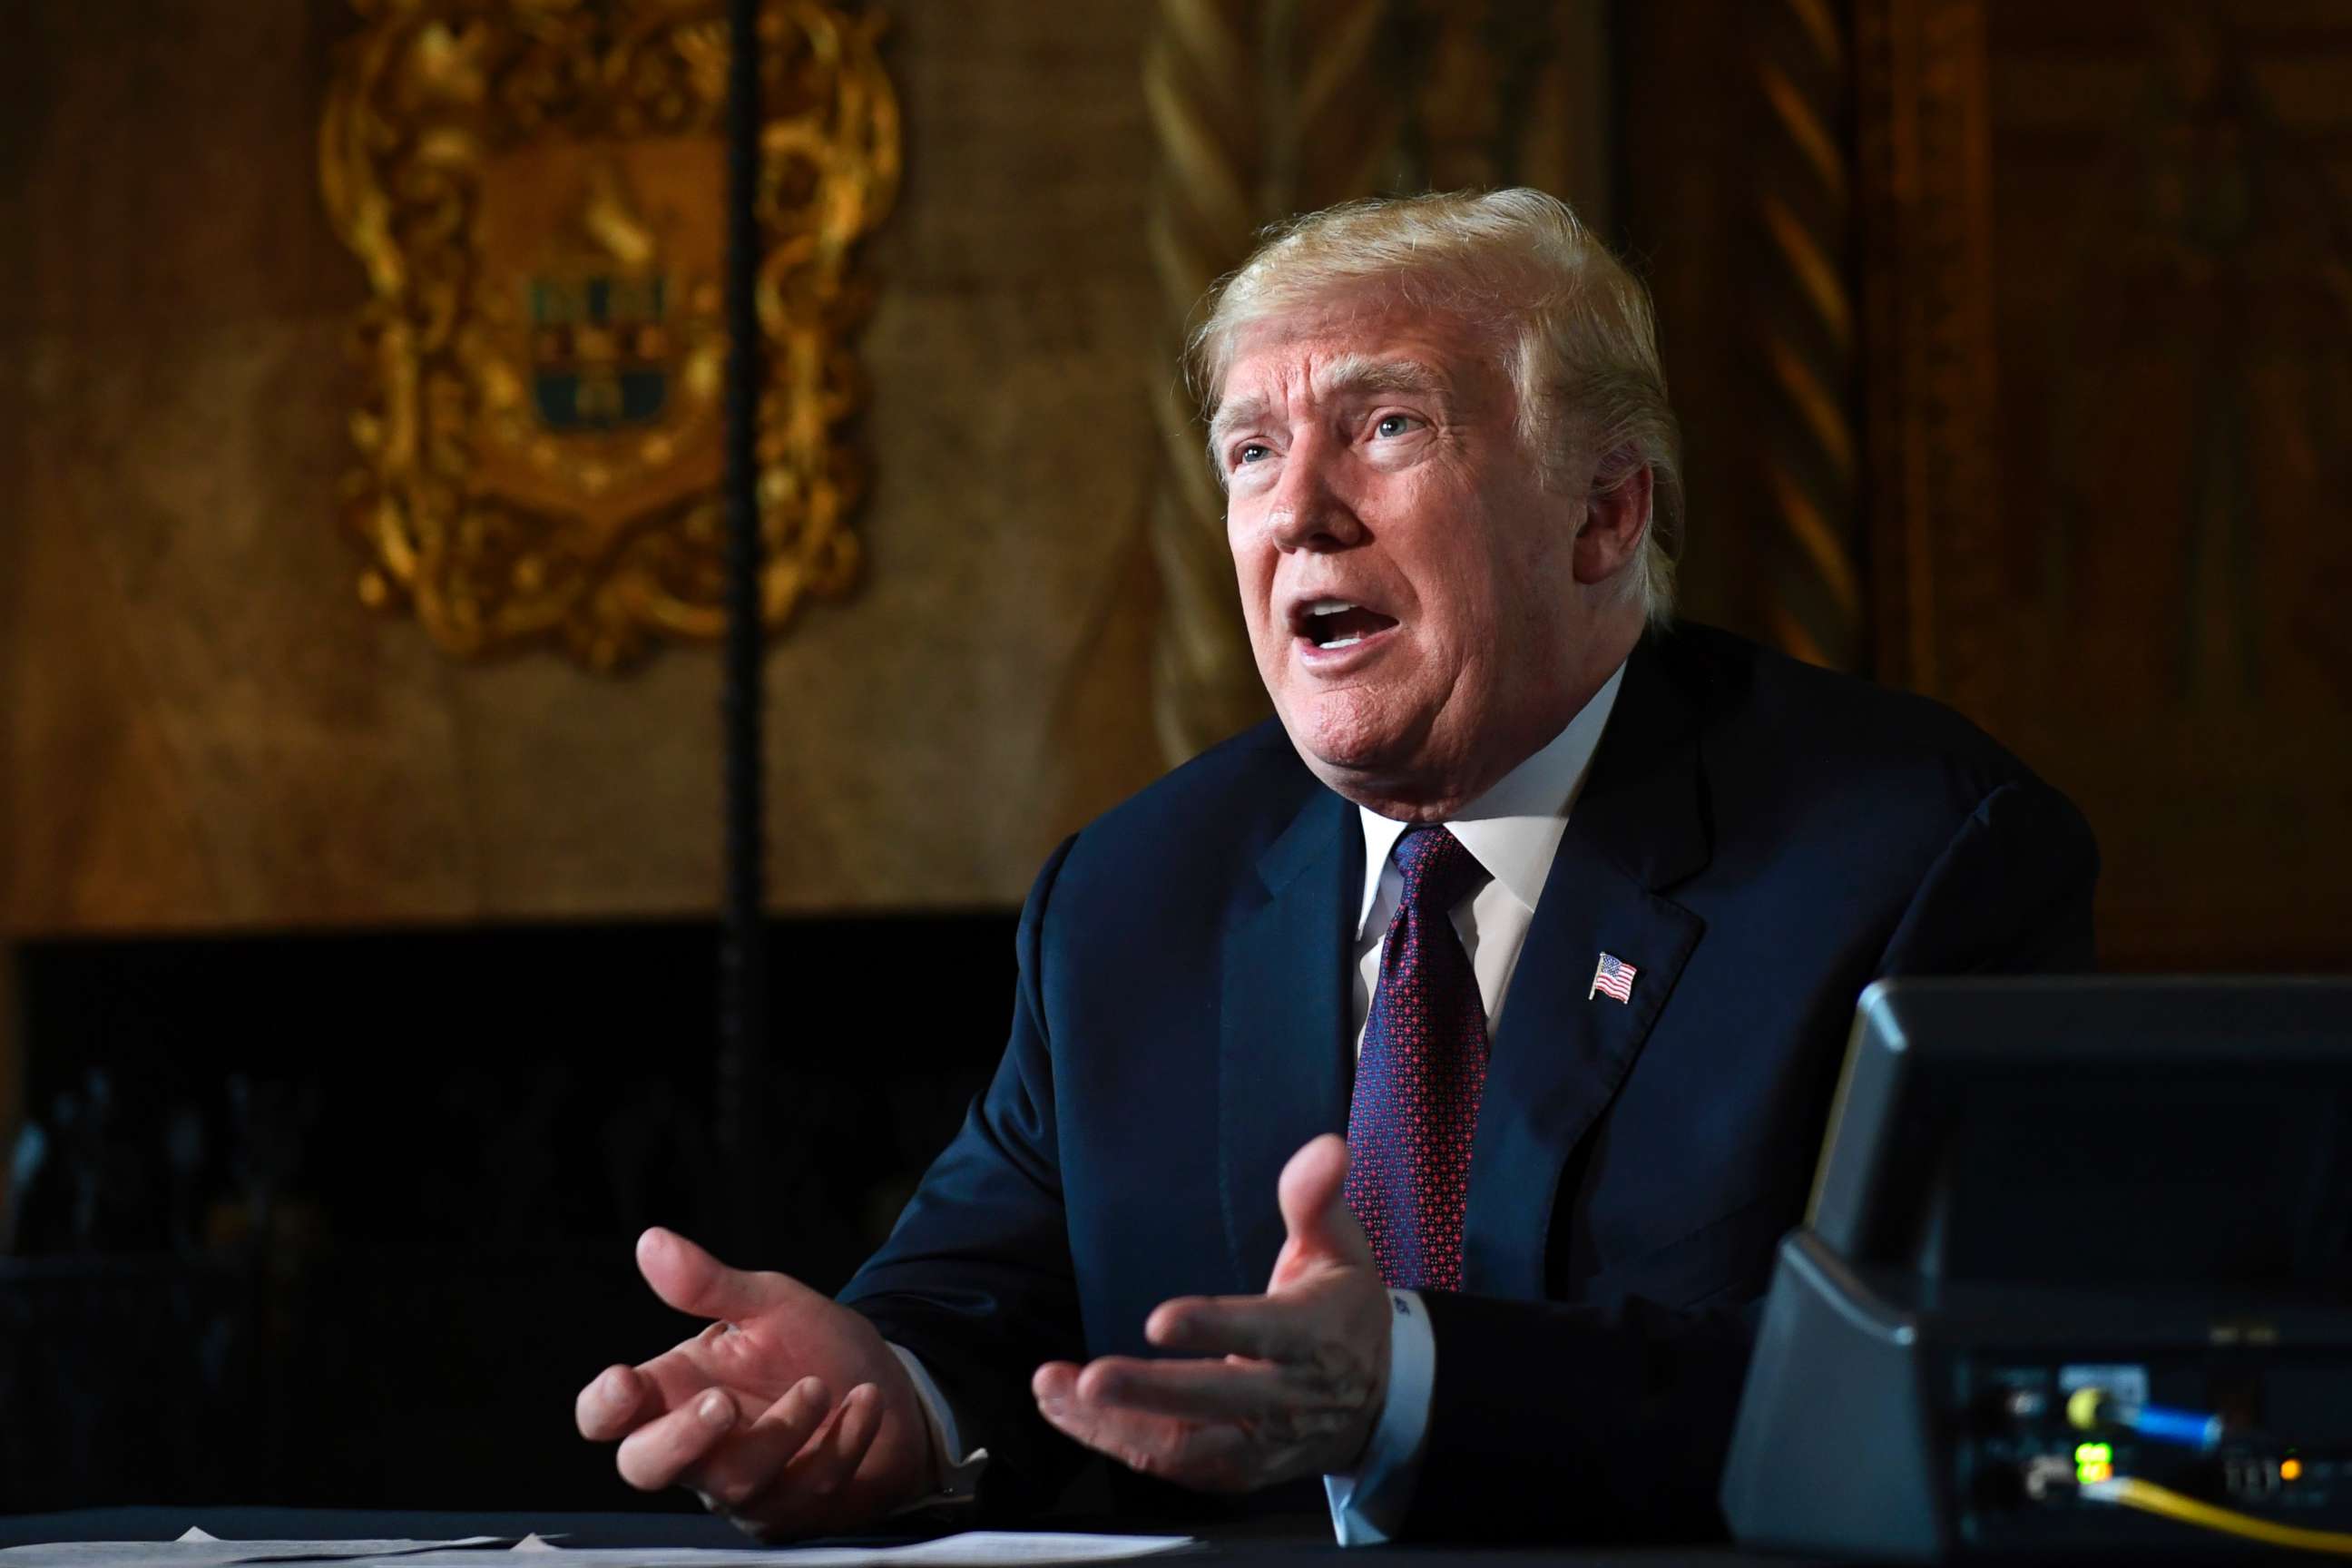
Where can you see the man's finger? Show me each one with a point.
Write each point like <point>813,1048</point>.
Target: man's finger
<point>1266,1327</point>
<point>817,1477</point>
<point>691,1279</point>
<point>1206,1390</point>
<point>806,1496</point>
<point>1212,1456</point>
<point>612,1405</point>
<point>1313,1195</point>
<point>1056,1380</point>
<point>658,1452</point>
<point>745,1465</point>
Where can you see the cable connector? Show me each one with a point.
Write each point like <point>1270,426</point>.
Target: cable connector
<point>2091,1409</point>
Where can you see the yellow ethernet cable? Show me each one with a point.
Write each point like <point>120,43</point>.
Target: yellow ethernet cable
<point>2130,1491</point>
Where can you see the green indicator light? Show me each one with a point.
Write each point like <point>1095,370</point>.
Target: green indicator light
<point>2094,1462</point>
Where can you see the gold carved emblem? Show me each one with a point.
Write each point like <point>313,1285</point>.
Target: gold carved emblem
<point>535,188</point>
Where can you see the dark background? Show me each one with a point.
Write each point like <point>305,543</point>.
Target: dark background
<point>366,1204</point>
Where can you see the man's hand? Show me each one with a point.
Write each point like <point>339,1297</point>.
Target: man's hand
<point>788,1415</point>
<point>1290,1383</point>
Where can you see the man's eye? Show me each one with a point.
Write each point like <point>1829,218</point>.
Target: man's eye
<point>1393,425</point>
<point>1250,453</point>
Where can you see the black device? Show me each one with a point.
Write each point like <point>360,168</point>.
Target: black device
<point>2076,1278</point>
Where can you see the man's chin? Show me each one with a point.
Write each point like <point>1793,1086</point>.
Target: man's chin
<point>1352,744</point>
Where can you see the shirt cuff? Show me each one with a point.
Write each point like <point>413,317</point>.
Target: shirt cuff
<point>1370,1505</point>
<point>955,1474</point>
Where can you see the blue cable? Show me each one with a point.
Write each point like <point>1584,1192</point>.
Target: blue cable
<point>2188,1428</point>
<point>2088,1409</point>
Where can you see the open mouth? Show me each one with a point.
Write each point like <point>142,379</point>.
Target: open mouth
<point>1333,624</point>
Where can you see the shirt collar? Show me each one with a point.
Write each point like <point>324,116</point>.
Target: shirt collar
<point>1514,829</point>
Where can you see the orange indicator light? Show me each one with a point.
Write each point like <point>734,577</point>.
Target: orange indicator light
<point>2290,1469</point>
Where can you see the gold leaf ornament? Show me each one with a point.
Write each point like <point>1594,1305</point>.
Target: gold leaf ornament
<point>535,190</point>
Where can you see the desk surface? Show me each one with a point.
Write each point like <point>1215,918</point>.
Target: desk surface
<point>691,1530</point>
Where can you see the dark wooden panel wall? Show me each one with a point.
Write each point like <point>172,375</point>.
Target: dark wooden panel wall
<point>2072,408</point>
<point>2173,304</point>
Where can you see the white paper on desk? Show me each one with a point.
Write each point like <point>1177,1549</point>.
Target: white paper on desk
<point>985,1546</point>
<point>972,1549</point>
<point>197,1550</point>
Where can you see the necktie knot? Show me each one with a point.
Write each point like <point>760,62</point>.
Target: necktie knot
<point>1439,872</point>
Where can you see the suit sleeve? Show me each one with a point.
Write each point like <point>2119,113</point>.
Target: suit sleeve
<point>976,1278</point>
<point>1550,1421</point>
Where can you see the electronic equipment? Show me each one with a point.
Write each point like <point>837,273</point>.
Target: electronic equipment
<point>2076,1279</point>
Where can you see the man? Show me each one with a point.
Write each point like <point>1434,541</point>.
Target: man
<point>1558,914</point>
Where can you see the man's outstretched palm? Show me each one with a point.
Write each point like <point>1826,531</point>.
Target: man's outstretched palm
<point>788,1414</point>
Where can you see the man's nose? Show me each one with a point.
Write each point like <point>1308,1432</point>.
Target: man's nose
<point>1309,512</point>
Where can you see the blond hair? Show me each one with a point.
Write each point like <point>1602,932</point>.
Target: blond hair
<point>1580,337</point>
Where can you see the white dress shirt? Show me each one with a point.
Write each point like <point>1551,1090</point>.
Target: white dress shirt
<point>1513,831</point>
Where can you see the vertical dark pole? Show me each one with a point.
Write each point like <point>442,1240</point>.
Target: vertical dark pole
<point>743,999</point>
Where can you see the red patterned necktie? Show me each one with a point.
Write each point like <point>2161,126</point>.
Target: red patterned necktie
<point>1419,1076</point>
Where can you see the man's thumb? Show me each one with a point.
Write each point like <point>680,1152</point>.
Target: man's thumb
<point>691,1279</point>
<point>1314,1202</point>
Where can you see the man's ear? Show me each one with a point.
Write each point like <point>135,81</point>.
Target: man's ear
<point>1616,517</point>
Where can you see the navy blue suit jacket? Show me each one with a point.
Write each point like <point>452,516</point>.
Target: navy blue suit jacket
<point>1760,840</point>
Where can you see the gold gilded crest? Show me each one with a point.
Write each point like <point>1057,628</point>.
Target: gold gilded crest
<point>535,189</point>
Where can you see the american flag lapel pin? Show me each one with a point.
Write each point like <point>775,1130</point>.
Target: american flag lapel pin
<point>1612,976</point>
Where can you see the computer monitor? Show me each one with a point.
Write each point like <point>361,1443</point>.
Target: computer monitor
<point>2033,1188</point>
<point>2097,1133</point>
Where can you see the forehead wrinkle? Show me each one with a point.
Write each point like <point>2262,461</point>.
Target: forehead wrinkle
<point>1345,375</point>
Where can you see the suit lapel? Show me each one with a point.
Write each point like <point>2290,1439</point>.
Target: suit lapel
<point>1560,1053</point>
<point>1282,1072</point>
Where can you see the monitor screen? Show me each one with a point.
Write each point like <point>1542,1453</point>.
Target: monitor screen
<point>2174,1134</point>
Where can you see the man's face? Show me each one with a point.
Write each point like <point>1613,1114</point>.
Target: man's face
<point>1408,581</point>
